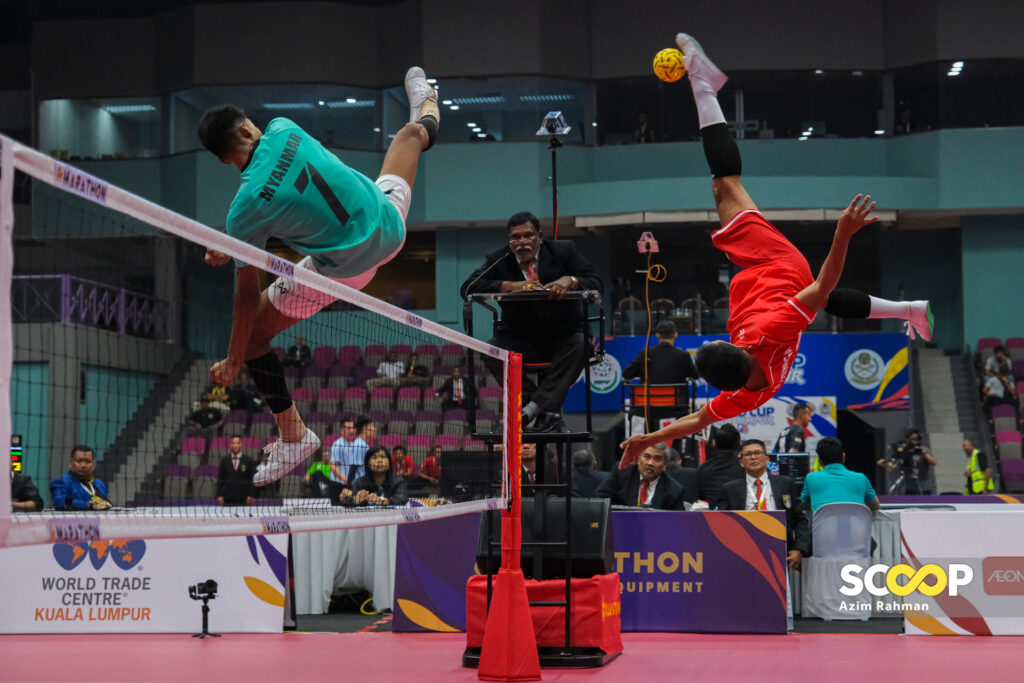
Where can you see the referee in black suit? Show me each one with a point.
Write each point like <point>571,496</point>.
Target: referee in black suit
<point>548,330</point>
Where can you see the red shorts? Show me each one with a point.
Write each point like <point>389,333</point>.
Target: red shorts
<point>749,240</point>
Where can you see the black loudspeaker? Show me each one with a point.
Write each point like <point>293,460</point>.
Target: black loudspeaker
<point>592,540</point>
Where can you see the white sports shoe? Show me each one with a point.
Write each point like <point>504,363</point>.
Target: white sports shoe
<point>422,96</point>
<point>285,456</point>
<point>697,63</point>
<point>920,321</point>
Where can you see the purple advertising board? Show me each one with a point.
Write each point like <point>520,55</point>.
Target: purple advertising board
<point>720,572</point>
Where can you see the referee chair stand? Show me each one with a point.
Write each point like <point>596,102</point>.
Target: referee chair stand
<point>566,655</point>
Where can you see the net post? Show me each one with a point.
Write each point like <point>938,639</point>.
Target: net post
<point>6,333</point>
<point>509,651</point>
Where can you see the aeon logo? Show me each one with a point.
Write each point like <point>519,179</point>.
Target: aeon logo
<point>125,554</point>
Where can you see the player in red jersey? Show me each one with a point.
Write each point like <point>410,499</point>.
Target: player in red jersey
<point>774,297</point>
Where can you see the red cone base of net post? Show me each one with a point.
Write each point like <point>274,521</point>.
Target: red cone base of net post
<point>509,650</point>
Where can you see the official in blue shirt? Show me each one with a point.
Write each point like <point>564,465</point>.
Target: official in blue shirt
<point>834,483</point>
<point>78,489</point>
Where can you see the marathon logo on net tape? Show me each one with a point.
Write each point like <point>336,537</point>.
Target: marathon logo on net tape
<point>882,580</point>
<point>277,524</point>
<point>414,320</point>
<point>74,529</point>
<point>280,266</point>
<point>82,184</point>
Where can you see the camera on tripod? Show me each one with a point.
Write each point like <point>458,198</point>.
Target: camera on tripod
<point>204,590</point>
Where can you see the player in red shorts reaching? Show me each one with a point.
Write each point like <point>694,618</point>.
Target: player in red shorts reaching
<point>774,297</point>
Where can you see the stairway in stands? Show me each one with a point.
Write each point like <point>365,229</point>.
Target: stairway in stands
<point>155,429</point>
<point>946,398</point>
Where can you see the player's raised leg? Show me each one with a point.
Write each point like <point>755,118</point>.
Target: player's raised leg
<point>418,135</point>
<point>851,303</point>
<point>720,148</point>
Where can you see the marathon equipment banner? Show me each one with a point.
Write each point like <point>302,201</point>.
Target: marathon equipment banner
<point>679,571</point>
<point>962,573</point>
<point>862,371</point>
<point>137,586</point>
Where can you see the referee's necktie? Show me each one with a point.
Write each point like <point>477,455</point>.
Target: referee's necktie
<point>643,493</point>
<point>759,503</point>
<point>531,272</point>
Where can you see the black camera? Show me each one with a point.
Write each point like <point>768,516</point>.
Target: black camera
<point>909,455</point>
<point>204,590</point>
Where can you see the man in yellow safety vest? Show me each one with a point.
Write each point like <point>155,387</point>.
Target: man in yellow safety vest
<point>978,474</point>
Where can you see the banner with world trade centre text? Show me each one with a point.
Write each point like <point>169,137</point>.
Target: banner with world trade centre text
<point>142,586</point>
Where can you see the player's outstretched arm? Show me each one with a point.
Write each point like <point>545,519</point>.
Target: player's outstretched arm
<point>684,426</point>
<point>853,218</point>
<point>247,303</point>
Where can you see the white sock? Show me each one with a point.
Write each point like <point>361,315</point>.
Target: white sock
<point>883,308</point>
<point>709,111</point>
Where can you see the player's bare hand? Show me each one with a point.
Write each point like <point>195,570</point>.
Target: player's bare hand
<point>225,371</point>
<point>856,216</point>
<point>637,444</point>
<point>216,258</point>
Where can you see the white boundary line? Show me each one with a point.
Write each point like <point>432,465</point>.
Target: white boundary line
<point>55,173</point>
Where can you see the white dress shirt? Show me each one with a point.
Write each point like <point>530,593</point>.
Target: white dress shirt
<point>766,489</point>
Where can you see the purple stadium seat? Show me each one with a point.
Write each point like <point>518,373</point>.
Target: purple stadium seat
<point>292,372</point>
<point>379,416</point>
<point>363,373</point>
<point>1012,472</point>
<point>324,356</point>
<point>178,471</point>
<point>252,444</point>
<point>455,415</point>
<point>193,444</point>
<point>400,416</point>
<point>409,392</point>
<point>236,417</point>
<point>486,414</point>
<point>206,471</point>
<point>319,416</point>
<point>1003,410</point>
<point>1017,368</point>
<point>489,392</point>
<point>428,416</point>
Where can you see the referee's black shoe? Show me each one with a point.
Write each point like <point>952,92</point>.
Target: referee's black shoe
<point>546,424</point>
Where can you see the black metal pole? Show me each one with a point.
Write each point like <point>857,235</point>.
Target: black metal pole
<point>555,144</point>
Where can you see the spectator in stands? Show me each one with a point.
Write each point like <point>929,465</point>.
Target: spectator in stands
<point>380,485</point>
<point>643,131</point>
<point>205,421</point>
<point>78,488</point>
<point>218,396</point>
<point>643,485</point>
<point>997,390</point>
<point>415,375</point>
<point>403,463</point>
<point>543,329</point>
<point>791,440</point>
<point>430,470</point>
<point>367,429</point>
<point>999,363</point>
<point>347,454</point>
<point>585,475</point>
<point>684,476</point>
<point>24,494</point>
<point>243,394</point>
<point>298,355</point>
<point>977,473</point>
<point>723,466</point>
<point>389,373</point>
<point>834,483</point>
<point>759,490</point>
<point>458,392</point>
<point>234,478</point>
<point>666,364</point>
<point>318,476</point>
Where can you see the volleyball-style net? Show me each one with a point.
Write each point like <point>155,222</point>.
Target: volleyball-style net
<point>107,337</point>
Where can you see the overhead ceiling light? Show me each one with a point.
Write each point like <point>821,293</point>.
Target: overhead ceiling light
<point>431,80</point>
<point>321,103</point>
<point>857,73</point>
<point>350,100</point>
<point>470,125</point>
<point>958,65</point>
<point>819,71</point>
<point>128,108</point>
<point>481,135</point>
<point>288,105</point>
<point>376,129</point>
<point>446,102</point>
<point>477,129</point>
<point>802,137</point>
<point>879,131</point>
<point>594,124</point>
<point>454,107</point>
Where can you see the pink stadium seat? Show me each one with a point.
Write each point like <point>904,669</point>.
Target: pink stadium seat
<point>206,471</point>
<point>327,399</point>
<point>329,439</point>
<point>219,443</point>
<point>448,442</point>
<point>403,350</point>
<point>489,392</point>
<point>389,441</point>
<point>1014,343</point>
<point>1008,436</point>
<point>324,356</point>
<point>431,350</point>
<point>349,355</point>
<point>302,393</point>
<point>471,444</point>
<point>193,444</point>
<point>252,443</point>
<point>989,342</point>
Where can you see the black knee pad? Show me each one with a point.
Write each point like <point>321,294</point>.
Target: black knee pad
<point>268,376</point>
<point>848,303</point>
<point>721,151</point>
<point>430,123</point>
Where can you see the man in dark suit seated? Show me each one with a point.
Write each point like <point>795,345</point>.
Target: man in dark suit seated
<point>585,475</point>
<point>24,494</point>
<point>458,392</point>
<point>547,331</point>
<point>721,467</point>
<point>684,476</point>
<point>666,364</point>
<point>759,490</point>
<point>643,484</point>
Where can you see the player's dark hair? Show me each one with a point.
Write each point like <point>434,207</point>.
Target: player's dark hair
<point>665,329</point>
<point>723,366</point>
<point>800,409</point>
<point>81,448</point>
<point>754,442</point>
<point>523,217</point>
<point>217,128</point>
<point>998,348</point>
<point>830,451</point>
<point>361,422</point>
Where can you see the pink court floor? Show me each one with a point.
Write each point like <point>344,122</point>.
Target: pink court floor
<point>436,657</point>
